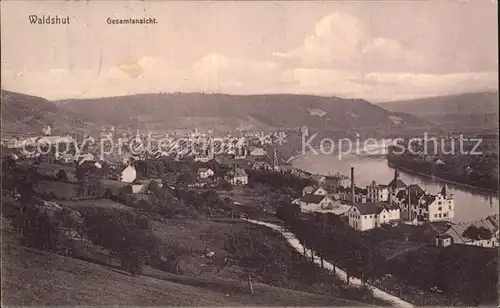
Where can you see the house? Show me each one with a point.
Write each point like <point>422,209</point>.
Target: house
<point>409,200</point>
<point>307,190</point>
<point>314,190</point>
<point>365,216</point>
<point>89,170</point>
<point>456,232</point>
<point>139,188</point>
<point>257,152</point>
<point>439,162</point>
<point>204,173</point>
<point>395,186</point>
<point>394,212</point>
<point>237,177</point>
<point>318,178</point>
<point>443,240</point>
<point>314,201</point>
<point>437,207</point>
<point>128,174</point>
<point>230,160</point>
<point>369,215</point>
<point>262,165</point>
<point>377,193</point>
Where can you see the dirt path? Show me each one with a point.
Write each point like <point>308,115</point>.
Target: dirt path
<point>294,242</point>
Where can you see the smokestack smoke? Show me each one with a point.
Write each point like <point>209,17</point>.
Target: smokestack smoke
<point>352,185</point>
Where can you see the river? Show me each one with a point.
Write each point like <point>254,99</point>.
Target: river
<point>470,204</point>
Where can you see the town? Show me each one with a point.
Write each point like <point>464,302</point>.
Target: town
<point>267,154</point>
<point>65,177</point>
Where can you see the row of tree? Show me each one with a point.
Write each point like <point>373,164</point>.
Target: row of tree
<point>456,271</point>
<point>125,235</point>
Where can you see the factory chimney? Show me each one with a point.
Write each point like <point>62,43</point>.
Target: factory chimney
<point>352,187</point>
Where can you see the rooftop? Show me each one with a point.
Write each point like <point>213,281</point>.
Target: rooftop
<point>310,198</point>
<point>397,183</point>
<point>370,207</point>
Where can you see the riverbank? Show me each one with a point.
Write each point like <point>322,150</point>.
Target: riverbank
<point>433,177</point>
<point>486,190</point>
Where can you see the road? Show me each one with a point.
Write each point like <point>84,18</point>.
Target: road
<point>294,242</point>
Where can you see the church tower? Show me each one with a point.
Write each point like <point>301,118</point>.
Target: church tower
<point>275,160</point>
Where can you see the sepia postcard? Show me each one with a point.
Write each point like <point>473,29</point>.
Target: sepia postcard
<point>249,153</point>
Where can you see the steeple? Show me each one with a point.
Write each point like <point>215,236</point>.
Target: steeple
<point>275,160</point>
<point>396,173</point>
<point>443,191</point>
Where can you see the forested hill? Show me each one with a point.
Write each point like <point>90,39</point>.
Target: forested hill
<point>184,110</point>
<point>23,113</point>
<point>462,112</point>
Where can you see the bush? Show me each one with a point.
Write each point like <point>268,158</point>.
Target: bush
<point>40,229</point>
<point>226,185</point>
<point>125,234</point>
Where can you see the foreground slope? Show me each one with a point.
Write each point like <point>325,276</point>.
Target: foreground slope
<point>32,277</point>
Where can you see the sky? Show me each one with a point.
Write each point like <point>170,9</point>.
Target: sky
<point>378,50</point>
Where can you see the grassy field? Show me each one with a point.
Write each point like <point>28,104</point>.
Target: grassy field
<point>191,238</point>
<point>60,190</point>
<point>32,277</point>
<point>248,198</point>
<point>94,203</point>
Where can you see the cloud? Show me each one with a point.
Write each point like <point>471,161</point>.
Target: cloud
<point>340,41</point>
<point>211,73</point>
<point>385,86</point>
<point>218,72</point>
<point>147,74</point>
<point>338,57</point>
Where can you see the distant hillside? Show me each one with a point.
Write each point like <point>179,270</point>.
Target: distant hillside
<point>23,113</point>
<point>468,112</point>
<point>461,112</point>
<point>463,104</point>
<point>248,112</point>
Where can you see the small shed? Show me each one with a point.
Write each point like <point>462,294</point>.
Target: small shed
<point>444,240</point>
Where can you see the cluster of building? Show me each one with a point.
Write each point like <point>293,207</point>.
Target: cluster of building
<point>457,233</point>
<point>240,152</point>
<point>393,203</point>
<point>378,204</point>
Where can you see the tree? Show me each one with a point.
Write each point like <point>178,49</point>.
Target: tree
<point>226,185</point>
<point>40,230</point>
<point>484,234</point>
<point>61,175</point>
<point>287,212</point>
<point>474,233</point>
<point>257,257</point>
<point>186,177</point>
<point>125,234</point>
